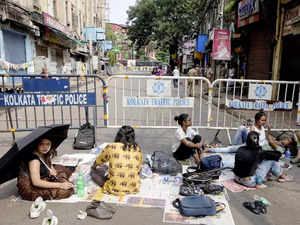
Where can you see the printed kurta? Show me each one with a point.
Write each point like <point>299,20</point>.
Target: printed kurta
<point>124,168</point>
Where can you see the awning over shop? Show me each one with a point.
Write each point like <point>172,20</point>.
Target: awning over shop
<point>61,38</point>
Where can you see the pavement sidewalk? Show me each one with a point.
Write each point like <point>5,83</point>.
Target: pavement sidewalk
<point>284,197</point>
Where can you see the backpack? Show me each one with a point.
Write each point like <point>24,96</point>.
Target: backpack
<point>85,138</point>
<point>210,162</point>
<point>199,206</point>
<point>165,164</point>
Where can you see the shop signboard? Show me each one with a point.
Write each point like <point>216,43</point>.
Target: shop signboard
<point>221,45</point>
<point>248,12</point>
<point>292,16</point>
<point>52,22</point>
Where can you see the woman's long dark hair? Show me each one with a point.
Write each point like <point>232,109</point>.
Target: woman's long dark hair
<point>259,115</point>
<point>181,118</point>
<point>126,136</point>
<point>52,152</point>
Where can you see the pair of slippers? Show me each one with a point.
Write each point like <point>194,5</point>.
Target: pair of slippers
<point>257,207</point>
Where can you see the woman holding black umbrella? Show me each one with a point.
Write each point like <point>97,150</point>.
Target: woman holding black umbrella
<point>38,177</point>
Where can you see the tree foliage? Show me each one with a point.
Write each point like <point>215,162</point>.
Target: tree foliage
<point>165,21</point>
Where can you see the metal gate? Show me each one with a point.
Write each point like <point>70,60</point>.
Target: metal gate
<point>235,100</point>
<point>154,101</point>
<point>60,99</point>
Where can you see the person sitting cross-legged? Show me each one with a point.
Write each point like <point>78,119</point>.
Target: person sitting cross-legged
<point>252,164</point>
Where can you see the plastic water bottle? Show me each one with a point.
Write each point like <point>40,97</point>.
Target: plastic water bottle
<point>287,158</point>
<point>262,199</point>
<point>259,180</point>
<point>288,154</point>
<point>80,185</point>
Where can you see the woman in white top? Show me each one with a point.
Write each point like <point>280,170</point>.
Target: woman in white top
<point>260,121</point>
<point>189,142</point>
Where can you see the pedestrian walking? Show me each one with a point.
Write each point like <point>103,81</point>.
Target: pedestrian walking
<point>176,74</point>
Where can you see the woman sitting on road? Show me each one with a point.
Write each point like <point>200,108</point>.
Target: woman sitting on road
<point>253,165</point>
<point>260,121</point>
<point>125,163</point>
<point>189,143</point>
<point>38,177</point>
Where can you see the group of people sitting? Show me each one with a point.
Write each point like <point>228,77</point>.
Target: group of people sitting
<point>38,177</point>
<point>256,160</point>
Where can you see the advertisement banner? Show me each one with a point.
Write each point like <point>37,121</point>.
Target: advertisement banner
<point>221,45</point>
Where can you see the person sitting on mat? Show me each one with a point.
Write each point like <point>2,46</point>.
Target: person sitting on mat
<point>189,143</point>
<point>38,177</point>
<point>241,134</point>
<point>252,164</point>
<point>125,164</point>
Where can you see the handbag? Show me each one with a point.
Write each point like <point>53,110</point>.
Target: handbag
<point>198,206</point>
<point>210,162</point>
<point>165,164</point>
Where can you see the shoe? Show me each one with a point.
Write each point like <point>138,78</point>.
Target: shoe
<point>94,210</point>
<point>50,219</point>
<point>287,178</point>
<point>96,203</point>
<point>295,161</point>
<point>37,207</point>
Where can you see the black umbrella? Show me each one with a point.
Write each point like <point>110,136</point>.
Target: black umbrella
<point>9,163</point>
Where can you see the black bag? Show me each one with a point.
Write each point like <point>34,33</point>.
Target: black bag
<point>210,162</point>
<point>191,189</point>
<point>198,176</point>
<point>85,138</point>
<point>271,155</point>
<point>199,206</point>
<point>165,164</point>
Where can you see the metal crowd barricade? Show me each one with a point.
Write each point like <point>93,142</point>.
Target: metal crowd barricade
<point>154,101</point>
<point>234,101</point>
<point>68,104</point>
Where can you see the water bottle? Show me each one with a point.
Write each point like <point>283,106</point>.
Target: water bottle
<point>259,180</point>
<point>288,153</point>
<point>287,158</point>
<point>80,185</point>
<point>262,199</point>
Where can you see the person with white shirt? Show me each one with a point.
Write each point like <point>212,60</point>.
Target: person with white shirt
<point>260,121</point>
<point>189,143</point>
<point>176,74</point>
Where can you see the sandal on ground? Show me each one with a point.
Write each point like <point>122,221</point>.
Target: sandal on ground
<point>287,178</point>
<point>295,161</point>
<point>257,207</point>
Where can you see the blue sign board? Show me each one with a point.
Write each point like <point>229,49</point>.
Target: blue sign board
<point>53,99</point>
<point>42,85</point>
<point>201,42</point>
<point>93,34</point>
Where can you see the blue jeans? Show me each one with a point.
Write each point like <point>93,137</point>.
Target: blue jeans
<point>229,149</point>
<point>241,133</point>
<point>265,167</point>
<point>268,166</point>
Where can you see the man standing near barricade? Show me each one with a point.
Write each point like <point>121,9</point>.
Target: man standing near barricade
<point>176,74</point>
<point>192,73</point>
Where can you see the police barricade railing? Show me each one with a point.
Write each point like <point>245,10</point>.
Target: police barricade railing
<point>33,100</point>
<point>235,100</point>
<point>154,101</point>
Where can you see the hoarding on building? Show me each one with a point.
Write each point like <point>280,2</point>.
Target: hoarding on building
<point>248,12</point>
<point>221,45</point>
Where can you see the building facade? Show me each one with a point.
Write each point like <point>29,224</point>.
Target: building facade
<point>47,33</point>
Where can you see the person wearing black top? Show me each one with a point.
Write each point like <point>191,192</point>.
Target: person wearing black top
<point>38,177</point>
<point>252,164</point>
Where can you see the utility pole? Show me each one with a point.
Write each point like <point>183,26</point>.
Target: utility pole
<point>222,13</point>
